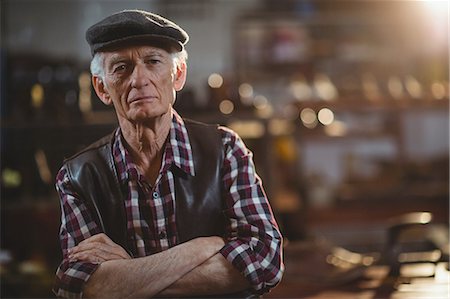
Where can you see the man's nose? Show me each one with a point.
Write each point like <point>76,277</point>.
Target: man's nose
<point>139,77</point>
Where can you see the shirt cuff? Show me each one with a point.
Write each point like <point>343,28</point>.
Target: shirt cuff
<point>70,282</point>
<point>241,256</point>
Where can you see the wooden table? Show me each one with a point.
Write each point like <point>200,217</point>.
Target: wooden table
<point>416,281</point>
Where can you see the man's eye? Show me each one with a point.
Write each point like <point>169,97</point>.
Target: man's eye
<point>153,61</point>
<point>120,68</point>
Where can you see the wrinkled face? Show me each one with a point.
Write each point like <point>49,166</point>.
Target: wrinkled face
<point>140,82</point>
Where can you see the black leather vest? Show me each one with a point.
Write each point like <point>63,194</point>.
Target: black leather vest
<point>198,198</point>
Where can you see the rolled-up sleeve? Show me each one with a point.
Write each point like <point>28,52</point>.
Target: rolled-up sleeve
<point>77,224</point>
<point>254,244</point>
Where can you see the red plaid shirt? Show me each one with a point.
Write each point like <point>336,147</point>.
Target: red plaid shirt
<point>254,241</point>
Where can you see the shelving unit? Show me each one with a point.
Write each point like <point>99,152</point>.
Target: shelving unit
<point>368,64</point>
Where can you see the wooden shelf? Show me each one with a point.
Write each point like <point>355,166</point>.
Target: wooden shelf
<point>377,211</point>
<point>385,104</point>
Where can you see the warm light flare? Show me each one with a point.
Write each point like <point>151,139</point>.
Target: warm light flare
<point>325,116</point>
<point>437,12</point>
<point>438,90</point>
<point>215,80</point>
<point>260,102</point>
<point>245,90</point>
<point>226,107</point>
<point>436,7</point>
<point>37,96</point>
<point>248,129</point>
<point>395,87</point>
<point>308,118</point>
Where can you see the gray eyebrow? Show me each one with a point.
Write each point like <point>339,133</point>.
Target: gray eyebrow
<point>116,58</point>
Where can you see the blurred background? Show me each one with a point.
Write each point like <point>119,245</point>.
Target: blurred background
<point>345,105</point>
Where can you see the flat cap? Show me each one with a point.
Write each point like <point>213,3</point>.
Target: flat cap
<point>130,27</point>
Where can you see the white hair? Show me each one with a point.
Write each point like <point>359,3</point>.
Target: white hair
<point>98,67</point>
<point>179,58</point>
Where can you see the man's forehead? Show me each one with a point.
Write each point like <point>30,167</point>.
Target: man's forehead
<point>138,51</point>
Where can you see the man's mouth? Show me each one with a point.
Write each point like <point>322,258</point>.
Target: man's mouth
<point>142,99</point>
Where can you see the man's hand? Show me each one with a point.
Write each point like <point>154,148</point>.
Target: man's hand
<point>97,249</point>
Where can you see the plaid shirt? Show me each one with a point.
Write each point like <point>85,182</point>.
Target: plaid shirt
<point>253,239</point>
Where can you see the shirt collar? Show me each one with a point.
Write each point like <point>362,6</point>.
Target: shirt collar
<point>125,166</point>
<point>180,145</point>
<point>177,152</point>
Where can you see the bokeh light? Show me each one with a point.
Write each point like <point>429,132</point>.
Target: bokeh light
<point>438,90</point>
<point>215,80</point>
<point>308,118</point>
<point>325,116</point>
<point>226,107</point>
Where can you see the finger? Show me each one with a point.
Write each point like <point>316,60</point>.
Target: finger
<point>93,255</point>
<point>109,252</point>
<point>103,238</point>
<point>117,249</point>
<point>89,245</point>
<point>114,249</point>
<point>93,246</point>
<point>90,257</point>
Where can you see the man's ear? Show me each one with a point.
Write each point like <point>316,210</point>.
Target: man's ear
<point>100,90</point>
<point>180,77</point>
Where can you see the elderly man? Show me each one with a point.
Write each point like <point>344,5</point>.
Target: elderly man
<point>163,206</point>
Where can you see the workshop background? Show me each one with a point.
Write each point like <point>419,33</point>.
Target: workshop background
<point>345,105</point>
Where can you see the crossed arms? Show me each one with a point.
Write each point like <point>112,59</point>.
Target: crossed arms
<point>191,268</point>
<point>95,266</point>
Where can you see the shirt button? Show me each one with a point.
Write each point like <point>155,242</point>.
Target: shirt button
<point>162,235</point>
<point>155,195</point>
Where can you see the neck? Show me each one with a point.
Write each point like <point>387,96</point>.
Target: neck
<point>145,140</point>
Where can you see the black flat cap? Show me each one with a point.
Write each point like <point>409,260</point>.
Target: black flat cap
<point>130,27</point>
